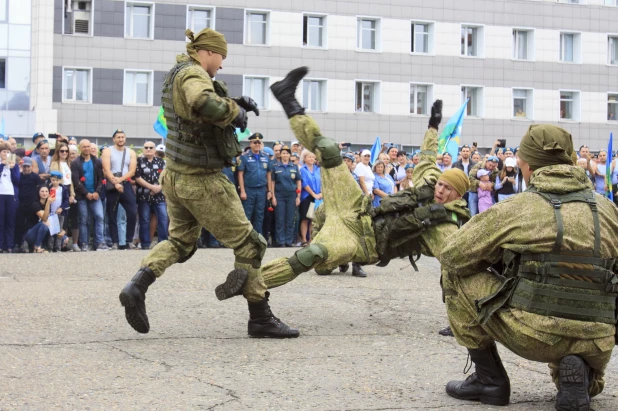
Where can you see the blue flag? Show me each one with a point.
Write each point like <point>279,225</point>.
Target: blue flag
<point>375,150</point>
<point>2,133</point>
<point>608,169</point>
<point>450,138</point>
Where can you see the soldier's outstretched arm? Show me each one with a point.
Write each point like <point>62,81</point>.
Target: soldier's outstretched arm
<point>199,92</point>
<point>426,171</point>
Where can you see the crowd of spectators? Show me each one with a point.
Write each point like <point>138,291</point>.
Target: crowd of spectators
<point>83,197</point>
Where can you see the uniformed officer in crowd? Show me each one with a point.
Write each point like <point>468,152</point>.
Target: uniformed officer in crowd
<point>254,178</point>
<point>286,187</point>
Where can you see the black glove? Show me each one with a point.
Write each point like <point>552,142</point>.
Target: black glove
<point>436,114</point>
<point>241,120</point>
<point>247,103</point>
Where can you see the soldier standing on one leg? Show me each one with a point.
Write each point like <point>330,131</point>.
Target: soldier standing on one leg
<point>201,141</point>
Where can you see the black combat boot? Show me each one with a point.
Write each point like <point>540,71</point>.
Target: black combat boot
<point>573,382</point>
<point>285,89</point>
<point>446,332</point>
<point>357,270</point>
<point>233,285</point>
<point>489,384</point>
<point>343,268</point>
<point>263,323</point>
<point>132,298</point>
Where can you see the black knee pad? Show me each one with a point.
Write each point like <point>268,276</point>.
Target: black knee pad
<point>329,152</point>
<point>306,258</point>
<point>258,245</point>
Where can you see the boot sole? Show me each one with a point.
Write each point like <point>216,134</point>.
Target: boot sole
<point>279,337</point>
<point>135,320</point>
<point>573,380</point>
<point>483,399</point>
<point>233,284</point>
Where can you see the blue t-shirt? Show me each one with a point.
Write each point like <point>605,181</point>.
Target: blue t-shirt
<point>386,184</point>
<point>89,176</point>
<point>311,179</point>
<point>255,168</point>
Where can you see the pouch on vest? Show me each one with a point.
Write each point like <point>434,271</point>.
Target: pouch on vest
<point>227,140</point>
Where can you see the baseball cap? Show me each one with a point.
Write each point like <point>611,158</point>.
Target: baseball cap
<point>365,153</point>
<point>295,143</point>
<point>37,135</point>
<point>161,147</point>
<point>27,161</point>
<point>510,162</point>
<point>349,156</point>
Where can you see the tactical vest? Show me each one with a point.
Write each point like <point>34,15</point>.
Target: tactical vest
<point>203,145</point>
<point>400,220</point>
<point>575,284</point>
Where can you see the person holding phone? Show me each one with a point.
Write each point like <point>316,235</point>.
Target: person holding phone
<point>506,183</point>
<point>9,182</point>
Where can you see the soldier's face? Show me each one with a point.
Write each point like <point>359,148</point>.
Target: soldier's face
<point>210,61</point>
<point>490,165</point>
<point>445,193</point>
<point>524,167</point>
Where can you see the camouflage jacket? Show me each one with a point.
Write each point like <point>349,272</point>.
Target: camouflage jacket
<point>474,181</point>
<point>427,172</point>
<point>195,99</point>
<point>526,223</point>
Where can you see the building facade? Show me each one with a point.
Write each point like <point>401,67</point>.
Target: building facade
<point>376,66</point>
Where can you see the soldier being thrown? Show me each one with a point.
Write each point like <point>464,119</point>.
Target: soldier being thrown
<point>556,299</point>
<point>429,213</point>
<point>201,141</point>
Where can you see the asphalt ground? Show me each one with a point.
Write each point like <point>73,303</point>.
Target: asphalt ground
<point>366,343</point>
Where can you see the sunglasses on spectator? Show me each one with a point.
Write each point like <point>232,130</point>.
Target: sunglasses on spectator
<point>148,148</point>
<point>256,142</point>
<point>63,151</point>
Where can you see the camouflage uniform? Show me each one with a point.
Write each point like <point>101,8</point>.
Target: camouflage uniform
<point>483,241</point>
<point>474,181</point>
<point>346,237</point>
<point>189,190</point>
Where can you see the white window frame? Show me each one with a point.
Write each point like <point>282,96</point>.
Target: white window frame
<point>431,40</point>
<point>199,7</point>
<point>480,40</point>
<point>152,18</point>
<point>530,44</point>
<point>266,89</point>
<point>377,91</point>
<point>6,13</point>
<point>90,26</point>
<point>578,2</point>
<point>150,87</point>
<point>529,103</point>
<point>74,101</point>
<point>378,31</point>
<point>612,93</point>
<point>324,18</point>
<point>610,3</point>
<point>323,97</point>
<point>480,105</point>
<point>576,106</point>
<point>429,97</point>
<point>611,36</point>
<point>577,47</point>
<point>246,30</point>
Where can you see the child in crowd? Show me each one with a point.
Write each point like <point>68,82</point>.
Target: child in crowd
<point>485,197</point>
<point>407,182</point>
<point>58,207</point>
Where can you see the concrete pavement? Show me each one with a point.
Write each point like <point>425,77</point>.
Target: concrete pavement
<point>366,344</point>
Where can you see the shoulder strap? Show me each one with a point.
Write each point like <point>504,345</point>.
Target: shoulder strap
<point>124,155</point>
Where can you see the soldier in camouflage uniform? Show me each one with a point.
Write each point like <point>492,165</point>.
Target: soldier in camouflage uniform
<point>201,141</point>
<point>348,232</point>
<point>555,300</point>
<point>490,165</point>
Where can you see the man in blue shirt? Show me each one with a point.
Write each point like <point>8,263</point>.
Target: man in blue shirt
<point>254,178</point>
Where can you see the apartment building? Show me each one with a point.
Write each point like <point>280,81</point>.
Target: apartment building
<point>376,66</point>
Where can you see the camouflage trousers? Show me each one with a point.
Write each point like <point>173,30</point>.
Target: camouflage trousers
<point>209,201</point>
<point>346,230</point>
<point>533,337</point>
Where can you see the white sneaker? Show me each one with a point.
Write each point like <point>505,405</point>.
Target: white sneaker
<point>103,247</point>
<point>76,248</point>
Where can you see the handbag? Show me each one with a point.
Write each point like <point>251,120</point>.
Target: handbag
<point>311,211</point>
<point>109,186</point>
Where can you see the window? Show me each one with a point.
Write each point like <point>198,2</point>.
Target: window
<point>612,107</point>
<point>420,96</point>
<point>569,105</point>
<point>314,31</point>
<point>76,84</point>
<point>367,33</point>
<point>77,17</point>
<point>523,44</point>
<point>366,97</point>
<point>137,87</point>
<point>2,73</point>
<point>472,41</point>
<point>3,10</point>
<point>570,45</point>
<point>139,19</point>
<point>612,50</point>
<point>422,37</point>
<point>571,1</point>
<point>475,105</point>
<point>257,89</point>
<point>523,103</point>
<point>200,18</point>
<point>314,95</point>
<point>257,28</point>
<point>611,3</point>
